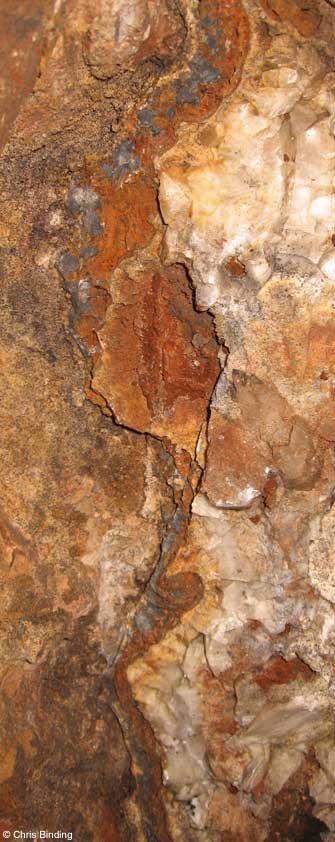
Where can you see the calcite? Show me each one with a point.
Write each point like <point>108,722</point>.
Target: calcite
<point>247,202</point>
<point>167,397</point>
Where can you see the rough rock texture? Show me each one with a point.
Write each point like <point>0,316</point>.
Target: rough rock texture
<point>167,407</point>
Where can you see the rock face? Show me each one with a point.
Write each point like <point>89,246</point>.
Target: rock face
<point>168,420</point>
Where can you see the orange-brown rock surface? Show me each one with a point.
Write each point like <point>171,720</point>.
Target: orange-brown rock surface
<point>167,413</point>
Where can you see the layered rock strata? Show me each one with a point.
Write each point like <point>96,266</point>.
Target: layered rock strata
<point>166,521</point>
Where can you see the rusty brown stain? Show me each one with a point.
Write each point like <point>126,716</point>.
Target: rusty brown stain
<point>300,14</point>
<point>279,671</point>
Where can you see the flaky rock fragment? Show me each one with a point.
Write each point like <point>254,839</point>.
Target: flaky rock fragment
<point>159,358</point>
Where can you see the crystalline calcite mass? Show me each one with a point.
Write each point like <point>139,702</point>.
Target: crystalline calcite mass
<point>167,527</point>
<point>248,200</point>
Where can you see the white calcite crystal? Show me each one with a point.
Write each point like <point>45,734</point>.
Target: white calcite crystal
<point>284,762</point>
<point>321,554</point>
<point>173,705</point>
